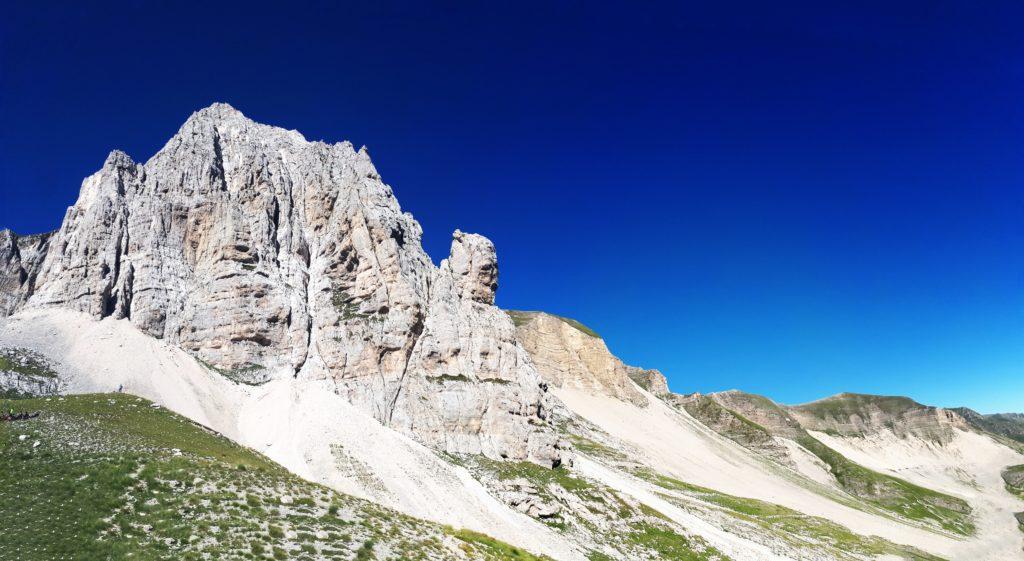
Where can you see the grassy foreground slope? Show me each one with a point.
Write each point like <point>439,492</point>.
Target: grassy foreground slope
<point>113,477</point>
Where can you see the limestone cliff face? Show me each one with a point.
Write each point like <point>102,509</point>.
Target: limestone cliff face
<point>750,420</point>
<point>761,410</point>
<point>255,249</point>
<point>569,355</point>
<point>649,379</point>
<point>850,414</point>
<point>20,260</point>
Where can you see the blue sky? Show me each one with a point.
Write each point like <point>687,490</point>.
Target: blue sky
<point>792,199</point>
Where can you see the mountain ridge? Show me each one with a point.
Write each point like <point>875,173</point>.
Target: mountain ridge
<point>273,290</point>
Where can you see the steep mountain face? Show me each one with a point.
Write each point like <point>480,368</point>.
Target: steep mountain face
<point>760,410</point>
<point>20,260</point>
<point>849,414</point>
<point>568,354</point>
<point>750,420</point>
<point>260,252</point>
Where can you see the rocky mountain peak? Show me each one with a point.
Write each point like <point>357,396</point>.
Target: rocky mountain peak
<point>260,252</point>
<point>118,159</point>
<point>217,111</point>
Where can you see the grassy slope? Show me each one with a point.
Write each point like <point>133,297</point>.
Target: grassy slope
<point>847,404</point>
<point>732,424</point>
<point>798,530</point>
<point>114,478</point>
<point>893,494</point>
<point>521,317</point>
<point>749,517</point>
<point>885,491</point>
<point>623,528</point>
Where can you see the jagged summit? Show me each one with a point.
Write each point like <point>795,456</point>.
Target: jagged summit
<point>118,159</point>
<point>218,110</point>
<point>265,255</point>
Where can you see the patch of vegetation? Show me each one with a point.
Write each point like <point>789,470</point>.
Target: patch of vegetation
<point>110,476</point>
<point>752,507</point>
<point>490,548</point>
<point>893,494</point>
<point>346,305</point>
<point>727,422</point>
<point>667,544</point>
<point>796,529</point>
<point>12,393</point>
<point>1013,477</point>
<point>26,362</point>
<point>886,492</point>
<point>538,475</point>
<point>248,374</point>
<point>448,378</point>
<point>592,512</point>
<point>845,405</point>
<point>522,317</point>
<point>593,448</point>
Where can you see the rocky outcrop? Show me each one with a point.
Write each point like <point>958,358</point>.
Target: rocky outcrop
<point>743,419</point>
<point>523,496</point>
<point>649,379</point>
<point>24,372</point>
<point>849,414</point>
<point>20,260</point>
<point>760,410</point>
<point>1014,479</point>
<point>567,355</point>
<point>255,249</point>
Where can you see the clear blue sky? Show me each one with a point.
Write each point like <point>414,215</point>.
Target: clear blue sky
<point>788,198</point>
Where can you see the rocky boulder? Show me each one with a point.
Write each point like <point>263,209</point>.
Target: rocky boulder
<point>649,379</point>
